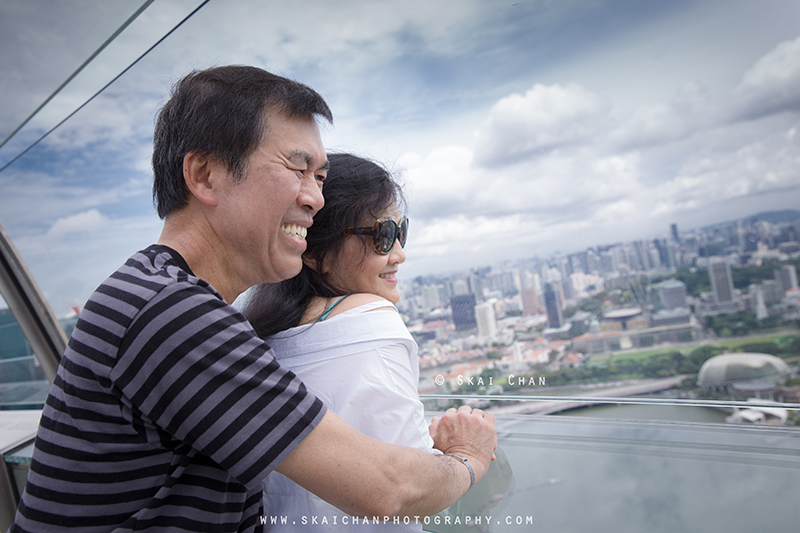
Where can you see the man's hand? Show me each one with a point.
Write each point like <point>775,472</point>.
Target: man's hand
<point>468,432</point>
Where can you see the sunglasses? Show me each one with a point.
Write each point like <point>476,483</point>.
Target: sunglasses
<point>385,232</point>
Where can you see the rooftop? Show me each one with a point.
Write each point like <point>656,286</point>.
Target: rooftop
<point>731,368</point>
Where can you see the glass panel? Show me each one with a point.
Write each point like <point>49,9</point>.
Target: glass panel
<point>557,474</point>
<point>23,384</point>
<point>72,35</point>
<point>598,191</point>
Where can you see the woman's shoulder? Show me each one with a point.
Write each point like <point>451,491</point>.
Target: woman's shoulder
<point>354,301</point>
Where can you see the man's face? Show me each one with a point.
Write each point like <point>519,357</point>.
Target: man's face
<point>267,214</point>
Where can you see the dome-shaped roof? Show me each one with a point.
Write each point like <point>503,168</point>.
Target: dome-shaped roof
<point>730,368</point>
<point>622,313</point>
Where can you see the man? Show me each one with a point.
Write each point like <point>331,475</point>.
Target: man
<point>168,411</point>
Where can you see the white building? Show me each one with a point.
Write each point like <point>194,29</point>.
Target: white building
<point>486,319</point>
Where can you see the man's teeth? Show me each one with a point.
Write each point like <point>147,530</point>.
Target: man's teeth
<point>294,230</point>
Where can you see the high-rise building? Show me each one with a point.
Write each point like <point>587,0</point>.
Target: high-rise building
<point>507,282</point>
<point>459,287</point>
<point>641,248</point>
<point>567,289</point>
<point>666,253</point>
<point>528,280</point>
<point>476,284</point>
<point>654,257</point>
<point>463,310</point>
<point>760,306</point>
<point>673,229</point>
<point>593,261</point>
<point>691,245</point>
<point>579,262</point>
<point>772,291</point>
<point>721,278</point>
<point>672,294</point>
<point>552,303</point>
<point>530,302</point>
<point>607,262</point>
<point>432,296</point>
<point>786,276</point>
<point>486,319</point>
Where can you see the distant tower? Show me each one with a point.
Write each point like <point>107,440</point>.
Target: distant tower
<point>672,294</point>
<point>476,283</point>
<point>761,307</point>
<point>460,286</point>
<point>653,257</point>
<point>552,302</point>
<point>530,302</point>
<point>673,229</point>
<point>487,320</point>
<point>431,296</point>
<point>463,309</point>
<point>772,291</point>
<point>786,276</point>
<point>665,252</point>
<point>721,281</point>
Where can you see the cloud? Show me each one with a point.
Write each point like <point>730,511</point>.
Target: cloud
<point>86,222</point>
<point>544,118</point>
<point>561,155</point>
<point>770,163</point>
<point>441,183</point>
<point>80,251</point>
<point>772,85</point>
<point>36,202</point>
<point>551,166</point>
<point>691,110</point>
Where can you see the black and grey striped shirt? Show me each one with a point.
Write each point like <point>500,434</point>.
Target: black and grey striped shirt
<point>166,414</point>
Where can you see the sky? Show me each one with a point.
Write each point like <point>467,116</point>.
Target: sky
<point>519,129</point>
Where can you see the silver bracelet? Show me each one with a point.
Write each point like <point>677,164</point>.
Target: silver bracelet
<point>469,467</point>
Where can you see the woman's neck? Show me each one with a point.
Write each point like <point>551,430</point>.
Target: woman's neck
<point>316,308</point>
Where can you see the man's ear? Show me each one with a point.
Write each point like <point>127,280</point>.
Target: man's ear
<point>202,174</point>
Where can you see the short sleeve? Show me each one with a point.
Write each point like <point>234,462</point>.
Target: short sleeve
<point>193,372</point>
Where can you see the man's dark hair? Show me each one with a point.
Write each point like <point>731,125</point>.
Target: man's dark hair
<point>357,191</point>
<point>221,112</point>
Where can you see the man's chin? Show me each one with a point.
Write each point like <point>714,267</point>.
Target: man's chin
<point>287,271</point>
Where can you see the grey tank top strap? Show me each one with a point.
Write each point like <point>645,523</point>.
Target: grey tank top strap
<point>327,312</point>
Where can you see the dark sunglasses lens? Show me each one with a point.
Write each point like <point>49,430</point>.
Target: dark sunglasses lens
<point>385,236</point>
<point>402,232</point>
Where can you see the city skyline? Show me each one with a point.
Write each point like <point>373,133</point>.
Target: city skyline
<point>520,129</point>
<point>666,236</point>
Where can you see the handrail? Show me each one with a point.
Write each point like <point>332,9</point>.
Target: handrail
<point>612,400</point>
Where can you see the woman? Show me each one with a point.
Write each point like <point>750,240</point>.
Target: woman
<point>335,325</point>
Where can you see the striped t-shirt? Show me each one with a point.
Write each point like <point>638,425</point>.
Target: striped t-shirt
<point>166,413</point>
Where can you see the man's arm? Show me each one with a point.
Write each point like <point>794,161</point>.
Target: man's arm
<point>366,477</point>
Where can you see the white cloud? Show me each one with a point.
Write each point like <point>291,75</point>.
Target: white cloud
<point>562,156</point>
<point>551,166</point>
<point>86,222</point>
<point>440,183</point>
<point>544,118</point>
<point>773,83</point>
<point>769,164</point>
<point>36,202</point>
<point>80,251</point>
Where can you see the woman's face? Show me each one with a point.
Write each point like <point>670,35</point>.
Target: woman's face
<point>373,273</point>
